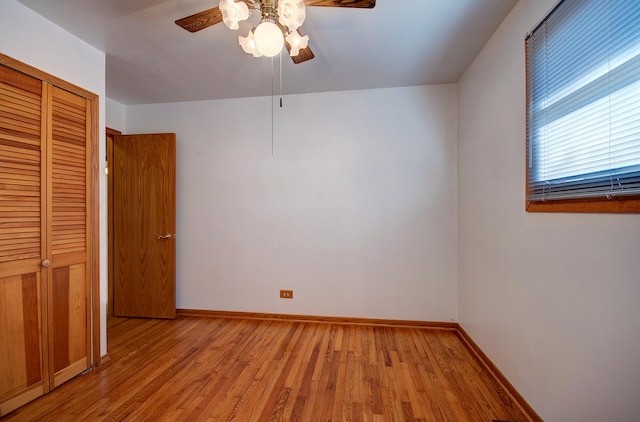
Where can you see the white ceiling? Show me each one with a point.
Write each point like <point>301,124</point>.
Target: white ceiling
<point>398,43</point>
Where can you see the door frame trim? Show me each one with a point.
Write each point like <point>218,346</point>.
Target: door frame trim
<point>94,182</point>
<point>110,133</point>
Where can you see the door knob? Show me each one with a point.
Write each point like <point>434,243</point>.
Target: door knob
<point>46,263</point>
<point>167,236</point>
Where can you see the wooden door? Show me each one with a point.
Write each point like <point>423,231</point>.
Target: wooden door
<point>23,371</point>
<point>144,221</point>
<point>44,238</point>
<point>68,230</point>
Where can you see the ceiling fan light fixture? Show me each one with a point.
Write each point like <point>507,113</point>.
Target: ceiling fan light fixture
<point>296,42</point>
<point>233,12</point>
<point>291,13</point>
<point>268,38</point>
<point>248,44</point>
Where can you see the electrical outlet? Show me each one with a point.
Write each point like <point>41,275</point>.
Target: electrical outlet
<point>286,294</point>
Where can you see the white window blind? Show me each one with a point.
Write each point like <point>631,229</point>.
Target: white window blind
<point>583,101</point>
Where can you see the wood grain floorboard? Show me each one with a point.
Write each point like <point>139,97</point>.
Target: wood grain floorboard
<point>206,369</point>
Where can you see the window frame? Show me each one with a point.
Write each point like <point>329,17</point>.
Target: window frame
<point>619,204</point>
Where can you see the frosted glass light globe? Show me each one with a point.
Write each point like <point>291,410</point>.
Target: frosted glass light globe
<point>233,12</point>
<point>248,44</point>
<point>269,39</point>
<point>296,43</point>
<point>291,13</point>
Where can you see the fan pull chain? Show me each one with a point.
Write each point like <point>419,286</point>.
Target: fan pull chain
<point>272,94</point>
<point>272,105</point>
<point>280,78</point>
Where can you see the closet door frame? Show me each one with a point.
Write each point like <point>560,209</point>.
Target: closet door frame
<point>94,241</point>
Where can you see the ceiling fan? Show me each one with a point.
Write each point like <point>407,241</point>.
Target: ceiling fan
<point>279,23</point>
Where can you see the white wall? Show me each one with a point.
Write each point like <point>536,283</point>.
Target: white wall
<point>355,210</point>
<point>553,299</point>
<point>116,115</point>
<point>28,37</point>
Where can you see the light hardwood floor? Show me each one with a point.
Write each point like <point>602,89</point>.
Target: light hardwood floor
<point>198,368</point>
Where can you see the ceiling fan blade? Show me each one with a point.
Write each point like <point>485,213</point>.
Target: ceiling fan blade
<point>365,4</point>
<point>304,55</point>
<point>202,20</point>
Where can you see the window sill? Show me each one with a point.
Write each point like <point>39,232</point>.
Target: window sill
<point>618,206</point>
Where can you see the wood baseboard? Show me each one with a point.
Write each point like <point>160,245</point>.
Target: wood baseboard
<point>484,360</point>
<point>323,319</point>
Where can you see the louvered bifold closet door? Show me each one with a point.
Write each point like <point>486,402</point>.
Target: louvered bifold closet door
<point>68,178</point>
<point>23,370</point>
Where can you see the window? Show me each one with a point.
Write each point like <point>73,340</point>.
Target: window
<point>583,108</point>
